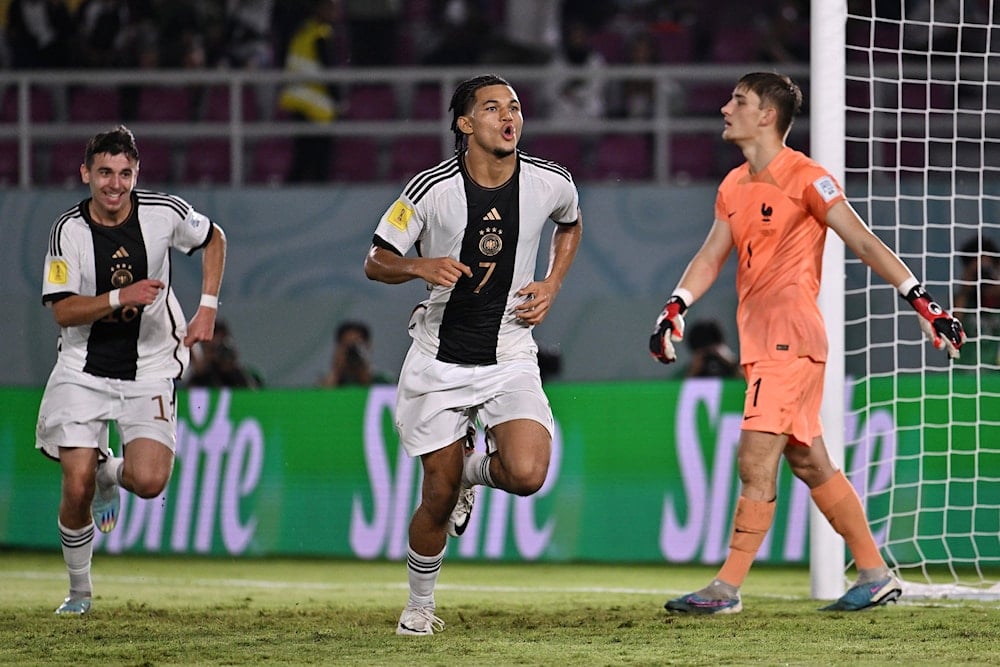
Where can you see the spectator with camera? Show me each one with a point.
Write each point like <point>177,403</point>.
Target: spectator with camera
<point>216,363</point>
<point>351,364</point>
<point>710,355</point>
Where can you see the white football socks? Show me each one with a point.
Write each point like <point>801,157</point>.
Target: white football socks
<point>78,550</point>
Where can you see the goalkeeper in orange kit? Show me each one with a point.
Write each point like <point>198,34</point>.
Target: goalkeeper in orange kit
<point>774,210</point>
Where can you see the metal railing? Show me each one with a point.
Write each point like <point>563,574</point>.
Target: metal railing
<point>669,116</point>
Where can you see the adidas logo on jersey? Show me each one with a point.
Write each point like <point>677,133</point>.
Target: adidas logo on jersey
<point>121,253</point>
<point>493,214</point>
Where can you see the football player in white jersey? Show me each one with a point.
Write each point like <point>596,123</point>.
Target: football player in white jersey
<point>123,343</point>
<point>476,221</point>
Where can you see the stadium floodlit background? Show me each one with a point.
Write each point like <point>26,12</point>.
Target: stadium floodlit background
<point>632,110</point>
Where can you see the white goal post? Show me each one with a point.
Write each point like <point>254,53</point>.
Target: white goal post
<point>905,111</point>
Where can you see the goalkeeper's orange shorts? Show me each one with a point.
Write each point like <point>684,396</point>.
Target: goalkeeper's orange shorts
<point>784,397</point>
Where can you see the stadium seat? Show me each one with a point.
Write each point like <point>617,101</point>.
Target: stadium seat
<point>156,162</point>
<point>356,159</point>
<point>625,157</point>
<point>270,161</point>
<point>735,43</point>
<point>706,99</point>
<point>674,44</point>
<point>566,149</point>
<point>63,159</point>
<point>95,104</point>
<point>207,162</point>
<point>528,96</point>
<point>426,103</point>
<point>370,102</point>
<point>692,157</point>
<point>215,104</point>
<point>165,104</point>
<point>10,168</point>
<point>408,155</point>
<point>39,103</point>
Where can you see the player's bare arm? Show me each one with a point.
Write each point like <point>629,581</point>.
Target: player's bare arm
<point>844,220</point>
<point>388,267</point>
<point>699,275</point>
<point>705,266</point>
<point>942,330</point>
<point>539,295</point>
<point>78,310</point>
<point>202,325</point>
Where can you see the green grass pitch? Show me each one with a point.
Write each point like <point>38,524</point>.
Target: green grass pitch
<point>192,611</point>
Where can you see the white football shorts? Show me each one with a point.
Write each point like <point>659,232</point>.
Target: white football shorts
<point>436,402</point>
<point>77,408</point>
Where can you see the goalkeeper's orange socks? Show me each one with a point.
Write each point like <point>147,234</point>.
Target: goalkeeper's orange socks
<point>839,503</point>
<point>753,520</point>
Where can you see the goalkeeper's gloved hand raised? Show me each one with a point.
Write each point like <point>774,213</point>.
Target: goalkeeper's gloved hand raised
<point>669,329</point>
<point>943,330</point>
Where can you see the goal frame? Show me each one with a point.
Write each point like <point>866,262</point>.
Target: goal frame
<point>827,120</point>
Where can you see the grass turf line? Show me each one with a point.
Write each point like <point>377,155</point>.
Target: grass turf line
<point>192,611</point>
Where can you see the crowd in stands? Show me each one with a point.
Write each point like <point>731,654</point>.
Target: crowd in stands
<point>481,34</point>
<point>256,33</point>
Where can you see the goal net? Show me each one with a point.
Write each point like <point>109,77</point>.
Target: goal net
<point>922,167</point>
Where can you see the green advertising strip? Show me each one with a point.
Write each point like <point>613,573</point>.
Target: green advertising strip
<point>640,472</point>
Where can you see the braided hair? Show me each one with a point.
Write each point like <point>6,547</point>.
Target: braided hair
<point>462,99</point>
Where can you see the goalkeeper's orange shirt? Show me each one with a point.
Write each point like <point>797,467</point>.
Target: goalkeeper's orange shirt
<point>778,225</point>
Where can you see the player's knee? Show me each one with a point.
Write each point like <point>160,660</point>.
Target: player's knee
<point>528,478</point>
<point>148,483</point>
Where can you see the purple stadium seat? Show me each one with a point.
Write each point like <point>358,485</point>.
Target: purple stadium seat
<point>426,102</point>
<point>625,157</point>
<point>735,43</point>
<point>370,102</point>
<point>10,169</point>
<point>156,162</point>
<point>64,160</point>
<point>271,161</point>
<point>39,101</point>
<point>707,99</point>
<point>95,104</point>
<point>565,149</point>
<point>215,107</point>
<point>207,162</point>
<point>408,155</point>
<point>693,156</point>
<point>355,159</point>
<point>165,104</point>
<point>674,45</point>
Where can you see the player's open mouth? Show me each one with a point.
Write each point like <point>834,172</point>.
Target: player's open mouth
<point>508,131</point>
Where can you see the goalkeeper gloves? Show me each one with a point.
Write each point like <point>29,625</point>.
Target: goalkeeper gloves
<point>943,330</point>
<point>669,329</point>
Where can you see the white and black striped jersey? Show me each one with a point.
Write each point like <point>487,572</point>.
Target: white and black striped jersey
<point>132,343</point>
<point>494,231</point>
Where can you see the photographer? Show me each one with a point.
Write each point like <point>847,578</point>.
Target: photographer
<point>216,363</point>
<point>351,364</point>
<point>710,356</point>
<point>978,300</point>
